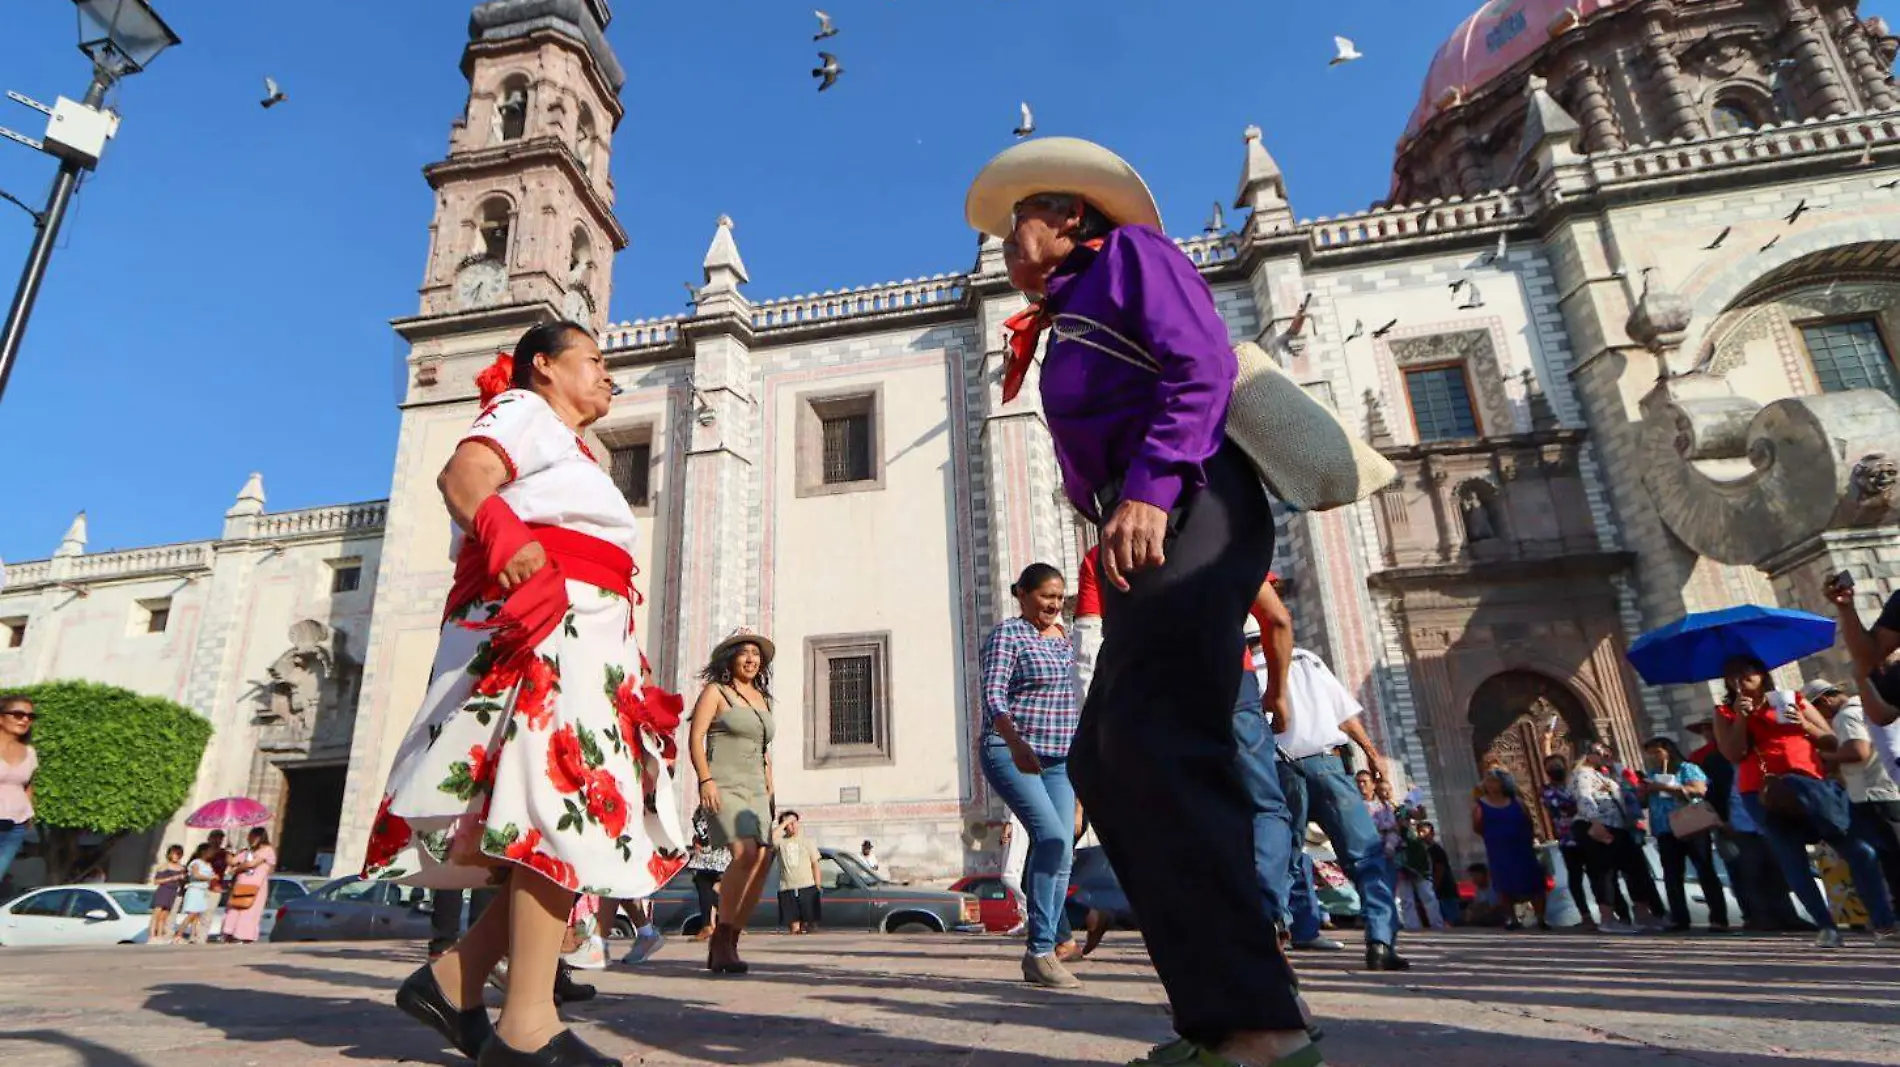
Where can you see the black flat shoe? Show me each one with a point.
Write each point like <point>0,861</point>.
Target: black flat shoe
<point>421,998</point>
<point>564,1049</point>
<point>1380,957</point>
<point>567,990</point>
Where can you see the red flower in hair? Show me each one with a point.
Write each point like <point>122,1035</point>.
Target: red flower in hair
<point>497,379</point>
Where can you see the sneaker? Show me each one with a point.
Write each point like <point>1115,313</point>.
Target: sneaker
<point>1016,931</point>
<point>1320,944</point>
<point>646,941</point>
<point>567,990</point>
<point>1048,972</point>
<point>1888,938</point>
<point>591,956</point>
<point>1829,937</point>
<point>1616,926</point>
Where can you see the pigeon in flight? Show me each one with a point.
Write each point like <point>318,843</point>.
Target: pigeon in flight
<point>272,94</point>
<point>1298,325</point>
<point>1029,122</point>
<point>825,28</point>
<point>1894,184</point>
<point>1358,331</point>
<point>1719,238</point>
<point>1772,242</point>
<point>1457,284</point>
<point>828,71</point>
<point>1346,51</point>
<point>692,294</point>
<point>1217,222</point>
<point>1496,255</point>
<point>1386,329</point>
<point>1473,301</point>
<point>1800,209</point>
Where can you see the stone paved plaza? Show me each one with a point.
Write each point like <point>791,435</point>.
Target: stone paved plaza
<point>852,1000</point>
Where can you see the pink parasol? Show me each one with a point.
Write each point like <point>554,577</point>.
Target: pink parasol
<point>229,813</point>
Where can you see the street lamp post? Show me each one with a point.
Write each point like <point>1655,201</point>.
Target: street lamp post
<point>122,37</point>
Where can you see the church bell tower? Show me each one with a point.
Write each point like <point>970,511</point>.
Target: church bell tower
<point>524,224</point>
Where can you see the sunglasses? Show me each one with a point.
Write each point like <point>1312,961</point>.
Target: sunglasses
<point>27,715</point>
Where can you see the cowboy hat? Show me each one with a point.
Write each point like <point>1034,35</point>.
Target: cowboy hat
<point>743,636</point>
<point>1059,165</point>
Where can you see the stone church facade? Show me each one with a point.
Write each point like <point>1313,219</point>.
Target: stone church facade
<point>1624,328</point>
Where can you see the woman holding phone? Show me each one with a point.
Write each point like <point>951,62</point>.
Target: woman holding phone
<point>1772,736</point>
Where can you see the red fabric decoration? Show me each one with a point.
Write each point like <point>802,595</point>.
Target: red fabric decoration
<point>497,379</point>
<point>1088,586</point>
<point>1025,329</point>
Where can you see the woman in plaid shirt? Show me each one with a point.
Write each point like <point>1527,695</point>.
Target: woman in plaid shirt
<point>1030,714</point>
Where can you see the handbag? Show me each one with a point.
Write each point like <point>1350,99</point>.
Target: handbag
<point>242,897</point>
<point>1300,447</point>
<point>1691,819</point>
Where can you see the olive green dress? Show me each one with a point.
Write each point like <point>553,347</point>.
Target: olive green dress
<point>736,743</point>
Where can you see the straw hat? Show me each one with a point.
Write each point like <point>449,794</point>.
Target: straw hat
<point>1059,165</point>
<point>743,636</point>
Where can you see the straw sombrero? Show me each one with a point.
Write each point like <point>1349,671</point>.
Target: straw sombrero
<point>743,636</point>
<point>1059,165</point>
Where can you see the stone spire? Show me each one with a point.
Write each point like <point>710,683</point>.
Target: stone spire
<point>74,543</point>
<point>1262,188</point>
<point>725,271</point>
<point>1549,131</point>
<point>989,256</point>
<point>250,499</point>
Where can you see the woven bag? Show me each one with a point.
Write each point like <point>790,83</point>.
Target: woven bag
<point>1302,451</point>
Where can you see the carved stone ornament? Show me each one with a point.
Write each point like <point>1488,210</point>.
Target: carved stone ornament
<point>302,684</point>
<point>1660,318</point>
<point>1817,463</point>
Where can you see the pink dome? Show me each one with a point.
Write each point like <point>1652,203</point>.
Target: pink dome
<point>1502,34</point>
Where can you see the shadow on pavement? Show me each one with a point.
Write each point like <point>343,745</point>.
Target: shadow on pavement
<point>90,1053</point>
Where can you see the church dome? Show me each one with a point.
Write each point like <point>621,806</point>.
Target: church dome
<point>1496,38</point>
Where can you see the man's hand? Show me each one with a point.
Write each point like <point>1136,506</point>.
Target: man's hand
<point>1132,541</point>
<point>1839,594</point>
<point>1276,706</point>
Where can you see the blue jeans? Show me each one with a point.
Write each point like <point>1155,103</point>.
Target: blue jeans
<point>1259,759</point>
<point>1306,914</point>
<point>1319,789</point>
<point>10,842</point>
<point>1826,820</point>
<point>1045,805</point>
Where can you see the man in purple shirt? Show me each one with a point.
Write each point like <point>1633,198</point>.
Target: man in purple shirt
<point>1135,384</point>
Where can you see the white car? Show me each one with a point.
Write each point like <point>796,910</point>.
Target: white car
<point>93,914</point>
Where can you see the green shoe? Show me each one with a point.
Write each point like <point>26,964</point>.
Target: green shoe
<point>1185,1053</point>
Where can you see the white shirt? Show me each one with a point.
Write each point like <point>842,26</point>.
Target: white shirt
<point>1871,779</point>
<point>552,479</point>
<point>1320,706</point>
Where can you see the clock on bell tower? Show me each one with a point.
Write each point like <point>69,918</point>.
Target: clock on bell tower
<point>524,225</point>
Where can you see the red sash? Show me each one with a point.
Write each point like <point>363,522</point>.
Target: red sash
<point>535,607</point>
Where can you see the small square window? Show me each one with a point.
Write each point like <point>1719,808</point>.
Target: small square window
<point>1850,354</point>
<point>346,575</point>
<point>13,632</point>
<point>632,470</point>
<point>1441,403</point>
<point>839,443</point>
<point>848,700</point>
<point>153,616</point>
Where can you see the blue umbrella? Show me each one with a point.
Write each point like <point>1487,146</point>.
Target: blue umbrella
<point>1695,648</point>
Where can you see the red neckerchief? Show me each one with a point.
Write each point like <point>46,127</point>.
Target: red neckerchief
<point>1024,330</point>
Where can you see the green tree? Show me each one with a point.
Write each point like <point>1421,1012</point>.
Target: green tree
<point>112,763</point>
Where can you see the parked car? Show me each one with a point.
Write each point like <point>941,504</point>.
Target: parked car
<point>355,909</point>
<point>854,898</point>
<point>284,888</point>
<point>98,913</point>
<point>999,910</point>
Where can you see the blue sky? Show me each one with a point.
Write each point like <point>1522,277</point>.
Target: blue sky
<point>219,302</point>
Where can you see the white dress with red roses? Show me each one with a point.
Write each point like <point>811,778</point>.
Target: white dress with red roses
<point>553,764</point>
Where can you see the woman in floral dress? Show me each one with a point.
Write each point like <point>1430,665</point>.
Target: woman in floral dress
<point>537,761</point>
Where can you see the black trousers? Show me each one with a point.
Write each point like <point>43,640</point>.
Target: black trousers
<point>445,917</point>
<point>1620,855</point>
<point>1759,884</point>
<point>1874,821</point>
<point>1673,851</point>
<point>1156,767</point>
<point>706,887</point>
<point>798,905</point>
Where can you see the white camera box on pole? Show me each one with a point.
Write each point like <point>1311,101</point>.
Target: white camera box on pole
<point>79,133</point>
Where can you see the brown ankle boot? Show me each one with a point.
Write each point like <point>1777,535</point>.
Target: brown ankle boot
<point>722,952</point>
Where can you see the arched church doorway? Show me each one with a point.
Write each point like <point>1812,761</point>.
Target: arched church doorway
<point>1515,717</point>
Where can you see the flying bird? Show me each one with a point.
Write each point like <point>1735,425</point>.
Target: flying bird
<point>1457,284</point>
<point>1496,255</point>
<point>272,94</point>
<point>692,294</point>
<point>1473,301</point>
<point>1386,329</point>
<point>1217,222</point>
<point>1298,325</point>
<point>1772,242</point>
<point>828,71</point>
<point>825,28</point>
<point>1358,331</point>
<point>1345,50</point>
<point>1719,238</point>
<point>1029,122</point>
<point>1894,184</point>
<point>1800,209</point>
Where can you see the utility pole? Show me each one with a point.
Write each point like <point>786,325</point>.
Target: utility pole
<point>47,224</point>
